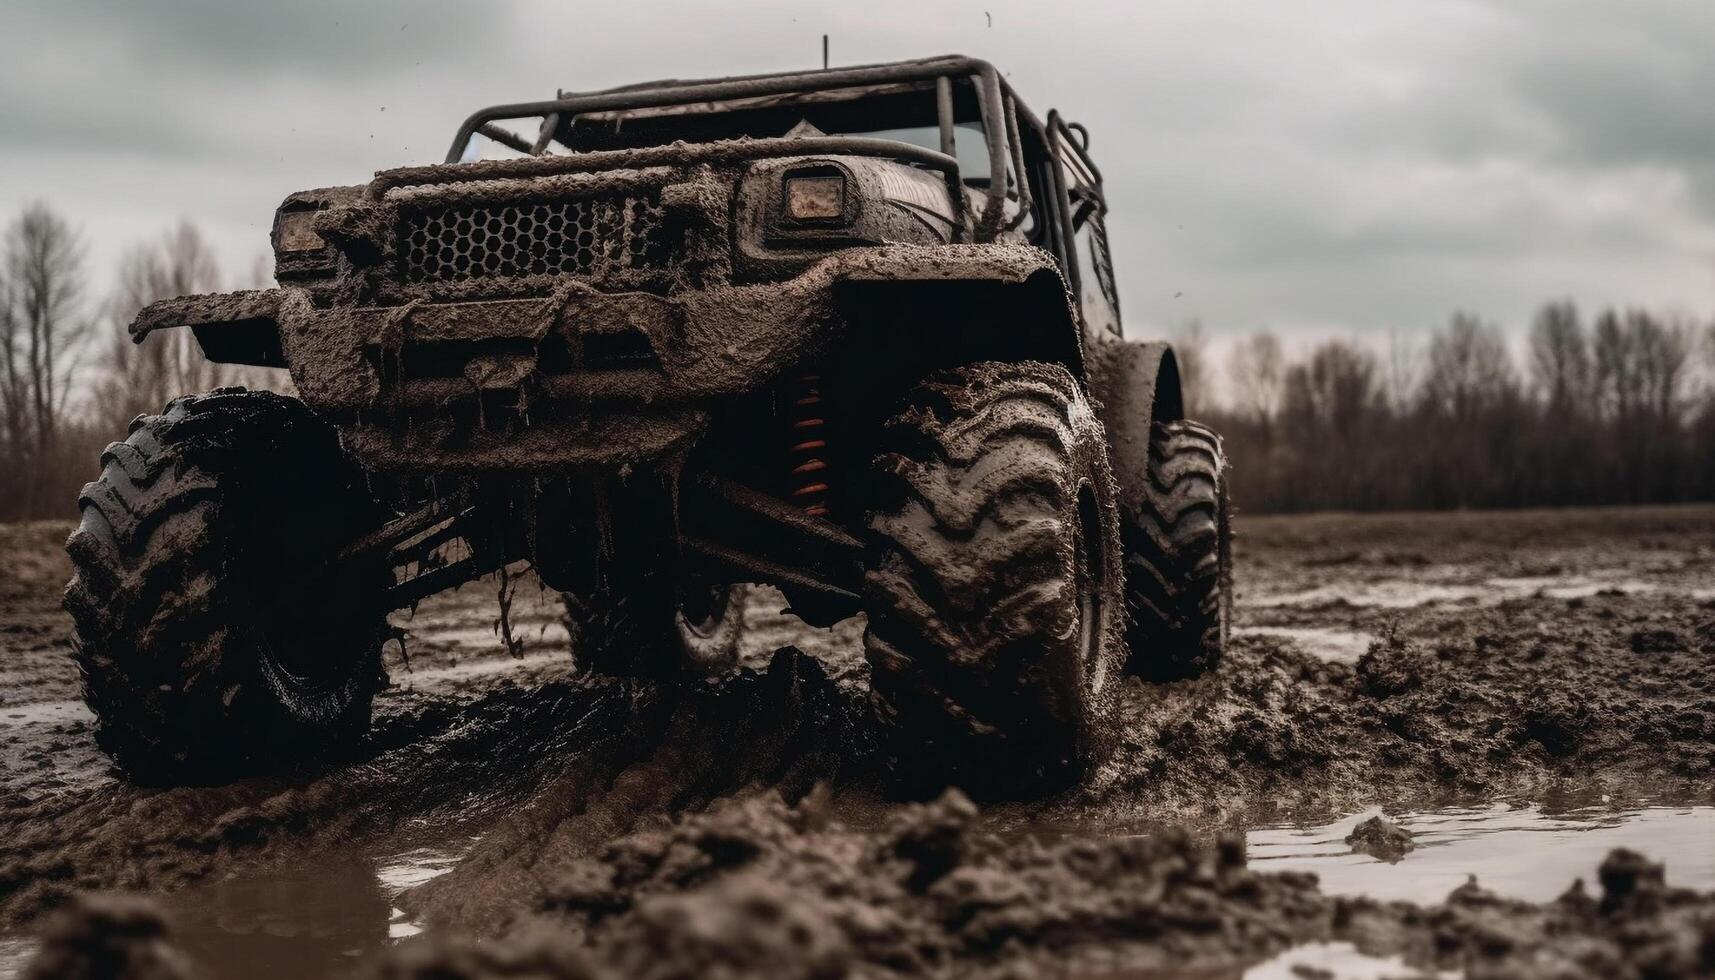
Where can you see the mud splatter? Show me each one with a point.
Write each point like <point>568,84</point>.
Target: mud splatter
<point>1381,838</point>
<point>108,936</point>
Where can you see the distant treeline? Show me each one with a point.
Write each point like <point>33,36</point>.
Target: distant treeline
<point>71,380</point>
<point>1619,409</point>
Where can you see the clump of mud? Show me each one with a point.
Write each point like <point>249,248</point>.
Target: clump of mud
<point>787,727</point>
<point>755,887</point>
<point>1381,838</point>
<point>1637,928</point>
<point>107,937</point>
<point>1466,703</point>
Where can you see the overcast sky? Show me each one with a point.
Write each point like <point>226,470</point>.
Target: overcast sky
<point>1339,167</point>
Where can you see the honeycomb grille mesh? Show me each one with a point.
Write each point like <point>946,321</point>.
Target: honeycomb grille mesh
<point>587,236</point>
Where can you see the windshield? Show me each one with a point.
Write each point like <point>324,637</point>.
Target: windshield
<point>903,112</point>
<point>970,145</point>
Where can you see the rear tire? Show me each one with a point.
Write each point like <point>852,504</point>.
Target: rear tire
<point>1178,556</point>
<point>643,631</point>
<point>994,583</point>
<point>213,635</point>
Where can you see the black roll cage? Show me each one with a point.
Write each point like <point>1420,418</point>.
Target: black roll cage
<point>995,98</point>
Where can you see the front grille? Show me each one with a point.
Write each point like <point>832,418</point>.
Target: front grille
<point>588,236</point>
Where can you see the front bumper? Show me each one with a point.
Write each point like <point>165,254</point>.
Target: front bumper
<point>573,379</point>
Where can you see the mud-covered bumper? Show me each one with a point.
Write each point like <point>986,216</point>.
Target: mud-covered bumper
<point>575,378</point>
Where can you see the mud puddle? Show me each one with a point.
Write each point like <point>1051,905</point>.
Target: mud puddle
<point>1325,643</point>
<point>324,916</point>
<point>1338,961</point>
<point>1519,850</point>
<point>44,713</point>
<point>1315,961</point>
<point>1409,593</point>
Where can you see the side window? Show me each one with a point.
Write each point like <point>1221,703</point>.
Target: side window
<point>1099,298</point>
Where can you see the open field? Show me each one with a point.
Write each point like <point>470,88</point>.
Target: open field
<point>1520,693</point>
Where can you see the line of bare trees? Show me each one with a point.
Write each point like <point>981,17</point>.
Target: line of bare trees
<point>71,380</point>
<point>1613,410</point>
<point>1609,411</point>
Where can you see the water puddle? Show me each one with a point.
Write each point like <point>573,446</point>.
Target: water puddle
<point>1311,961</point>
<point>321,916</point>
<point>14,953</point>
<point>1339,646</point>
<point>484,640</point>
<point>1411,593</point>
<point>1517,850</point>
<point>1338,961</point>
<point>420,677</point>
<point>44,713</point>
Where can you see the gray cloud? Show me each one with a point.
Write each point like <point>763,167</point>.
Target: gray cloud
<point>330,37</point>
<point>1352,167</point>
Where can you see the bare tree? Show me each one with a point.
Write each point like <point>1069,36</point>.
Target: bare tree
<point>1403,359</point>
<point>1560,355</point>
<point>1335,392</point>
<point>41,295</point>
<point>1256,366</point>
<point>1615,367</point>
<point>1662,350</point>
<point>1191,347</point>
<point>143,377</point>
<point>1469,370</point>
<point>1709,363</point>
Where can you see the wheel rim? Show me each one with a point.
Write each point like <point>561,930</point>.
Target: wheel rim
<point>304,636</point>
<point>305,660</point>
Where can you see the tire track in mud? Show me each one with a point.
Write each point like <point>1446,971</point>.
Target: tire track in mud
<point>785,728</point>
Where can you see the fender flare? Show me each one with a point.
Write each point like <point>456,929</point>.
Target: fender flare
<point>989,302</point>
<point>232,328</point>
<point>1136,385</point>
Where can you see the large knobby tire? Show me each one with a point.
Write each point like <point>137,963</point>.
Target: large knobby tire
<point>213,635</point>
<point>994,583</point>
<point>1178,556</point>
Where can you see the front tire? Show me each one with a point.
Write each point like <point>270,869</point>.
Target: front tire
<point>993,587</point>
<point>213,634</point>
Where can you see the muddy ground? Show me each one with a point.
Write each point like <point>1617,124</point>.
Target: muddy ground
<point>1529,698</point>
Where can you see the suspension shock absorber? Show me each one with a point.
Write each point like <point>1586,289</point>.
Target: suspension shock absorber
<point>807,441</point>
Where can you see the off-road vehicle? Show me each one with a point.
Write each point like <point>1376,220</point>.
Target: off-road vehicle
<point>852,333</point>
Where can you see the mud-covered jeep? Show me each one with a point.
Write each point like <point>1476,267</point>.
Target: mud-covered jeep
<point>851,333</point>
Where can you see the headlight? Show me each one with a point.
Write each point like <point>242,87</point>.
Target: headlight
<point>293,232</point>
<point>815,197</point>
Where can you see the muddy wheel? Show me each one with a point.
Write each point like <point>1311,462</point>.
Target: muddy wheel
<point>1178,556</point>
<point>994,582</point>
<point>708,626</point>
<point>213,636</point>
<point>643,631</point>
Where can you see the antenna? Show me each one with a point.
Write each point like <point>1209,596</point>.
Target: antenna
<point>824,52</point>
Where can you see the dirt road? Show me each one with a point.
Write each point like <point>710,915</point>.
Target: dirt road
<point>1516,695</point>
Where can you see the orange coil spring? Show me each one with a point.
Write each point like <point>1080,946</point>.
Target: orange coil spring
<point>807,436</point>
